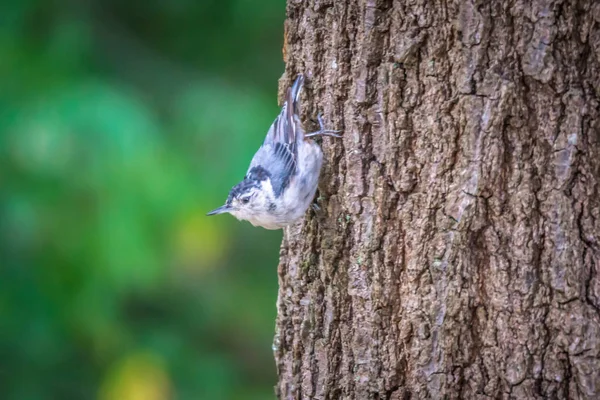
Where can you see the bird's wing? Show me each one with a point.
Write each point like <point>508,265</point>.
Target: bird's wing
<point>279,151</point>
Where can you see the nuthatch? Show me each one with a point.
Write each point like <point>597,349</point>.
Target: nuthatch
<point>283,175</point>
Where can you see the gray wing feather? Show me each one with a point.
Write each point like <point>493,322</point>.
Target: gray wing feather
<point>279,151</point>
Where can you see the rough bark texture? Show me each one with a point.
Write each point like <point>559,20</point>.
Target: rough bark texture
<point>456,253</point>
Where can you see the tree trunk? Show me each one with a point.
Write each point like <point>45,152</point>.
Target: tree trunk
<point>456,253</point>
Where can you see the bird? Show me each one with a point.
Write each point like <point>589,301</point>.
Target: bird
<point>282,178</point>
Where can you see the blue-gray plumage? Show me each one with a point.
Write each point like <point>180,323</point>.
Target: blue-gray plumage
<point>283,174</point>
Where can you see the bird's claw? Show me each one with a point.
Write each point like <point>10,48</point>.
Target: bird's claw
<point>322,131</point>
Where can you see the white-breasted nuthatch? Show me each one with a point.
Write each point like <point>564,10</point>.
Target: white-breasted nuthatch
<point>282,179</point>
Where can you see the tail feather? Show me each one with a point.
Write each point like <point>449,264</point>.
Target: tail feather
<point>283,129</point>
<point>292,108</point>
<point>294,93</point>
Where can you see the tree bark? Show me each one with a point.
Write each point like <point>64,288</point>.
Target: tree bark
<point>456,253</point>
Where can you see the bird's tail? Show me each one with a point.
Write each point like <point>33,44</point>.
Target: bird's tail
<point>293,109</point>
<point>294,95</point>
<point>284,127</point>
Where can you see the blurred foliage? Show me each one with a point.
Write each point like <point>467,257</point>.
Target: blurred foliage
<point>121,125</point>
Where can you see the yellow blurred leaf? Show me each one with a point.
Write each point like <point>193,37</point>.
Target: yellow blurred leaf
<point>199,241</point>
<point>140,376</point>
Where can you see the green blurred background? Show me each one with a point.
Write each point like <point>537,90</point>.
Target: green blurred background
<point>121,125</point>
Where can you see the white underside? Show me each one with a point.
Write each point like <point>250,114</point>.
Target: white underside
<point>300,192</point>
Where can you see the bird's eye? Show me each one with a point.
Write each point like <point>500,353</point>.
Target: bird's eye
<point>245,200</point>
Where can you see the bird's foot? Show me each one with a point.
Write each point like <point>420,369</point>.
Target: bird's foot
<point>322,131</point>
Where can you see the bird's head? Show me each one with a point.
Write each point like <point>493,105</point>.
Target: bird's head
<point>248,200</point>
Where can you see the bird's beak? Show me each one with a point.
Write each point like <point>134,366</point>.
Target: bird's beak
<point>220,210</point>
